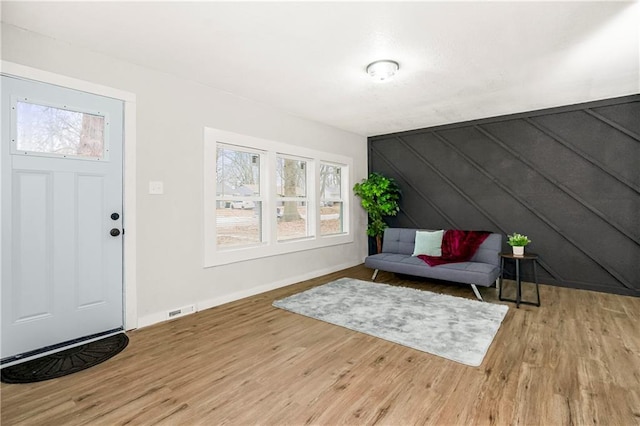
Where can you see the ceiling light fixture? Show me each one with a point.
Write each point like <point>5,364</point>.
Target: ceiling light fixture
<point>382,70</point>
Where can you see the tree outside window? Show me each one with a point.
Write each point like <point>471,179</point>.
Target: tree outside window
<point>292,199</point>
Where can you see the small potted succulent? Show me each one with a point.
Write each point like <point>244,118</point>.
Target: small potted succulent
<point>517,243</point>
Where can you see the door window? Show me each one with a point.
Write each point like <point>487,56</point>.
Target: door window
<point>60,132</point>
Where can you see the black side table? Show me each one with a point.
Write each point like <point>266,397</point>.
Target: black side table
<point>527,256</point>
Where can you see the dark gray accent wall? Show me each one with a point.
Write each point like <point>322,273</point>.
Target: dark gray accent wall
<point>567,177</point>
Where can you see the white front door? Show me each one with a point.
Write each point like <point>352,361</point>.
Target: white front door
<point>61,215</point>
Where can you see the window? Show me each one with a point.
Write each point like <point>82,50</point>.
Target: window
<point>264,198</point>
<point>331,204</point>
<point>293,203</point>
<point>238,197</point>
<point>48,130</point>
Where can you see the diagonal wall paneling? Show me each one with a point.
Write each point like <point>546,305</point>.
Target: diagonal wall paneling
<point>567,177</point>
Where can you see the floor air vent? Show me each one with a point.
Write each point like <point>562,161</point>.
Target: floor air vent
<point>185,310</point>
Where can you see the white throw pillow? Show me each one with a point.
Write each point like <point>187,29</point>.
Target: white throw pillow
<point>429,243</point>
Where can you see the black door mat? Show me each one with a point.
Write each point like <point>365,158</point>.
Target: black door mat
<point>65,362</point>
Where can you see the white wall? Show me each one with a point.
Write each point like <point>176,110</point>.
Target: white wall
<point>171,115</point>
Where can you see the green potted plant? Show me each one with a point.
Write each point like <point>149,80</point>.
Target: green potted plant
<point>379,196</point>
<point>517,243</point>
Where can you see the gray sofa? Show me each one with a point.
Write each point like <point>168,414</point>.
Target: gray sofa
<point>397,249</point>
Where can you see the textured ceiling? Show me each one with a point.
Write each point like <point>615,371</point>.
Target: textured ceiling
<point>458,60</point>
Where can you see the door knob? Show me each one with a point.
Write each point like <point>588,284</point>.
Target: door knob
<point>114,232</point>
<point>115,216</point>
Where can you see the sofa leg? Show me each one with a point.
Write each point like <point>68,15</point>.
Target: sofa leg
<point>375,274</point>
<point>475,290</point>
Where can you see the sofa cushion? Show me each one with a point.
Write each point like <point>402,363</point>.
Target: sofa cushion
<point>398,240</point>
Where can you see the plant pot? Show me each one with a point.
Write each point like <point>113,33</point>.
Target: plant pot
<point>518,250</point>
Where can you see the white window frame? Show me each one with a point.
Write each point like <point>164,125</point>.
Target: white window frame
<point>214,255</point>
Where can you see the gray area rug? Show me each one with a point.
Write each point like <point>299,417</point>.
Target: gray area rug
<point>451,327</point>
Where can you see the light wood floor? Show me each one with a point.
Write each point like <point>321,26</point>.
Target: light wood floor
<point>575,360</point>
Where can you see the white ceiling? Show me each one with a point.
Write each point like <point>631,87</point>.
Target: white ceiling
<point>458,60</point>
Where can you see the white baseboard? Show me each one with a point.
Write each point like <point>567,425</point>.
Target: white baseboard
<point>151,319</point>
<point>158,317</point>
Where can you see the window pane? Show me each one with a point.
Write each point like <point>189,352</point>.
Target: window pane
<point>330,184</point>
<point>291,177</point>
<point>238,222</point>
<point>238,173</point>
<point>331,218</point>
<point>58,131</point>
<point>331,213</point>
<point>292,220</point>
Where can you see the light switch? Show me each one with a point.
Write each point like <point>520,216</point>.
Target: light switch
<point>156,187</point>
